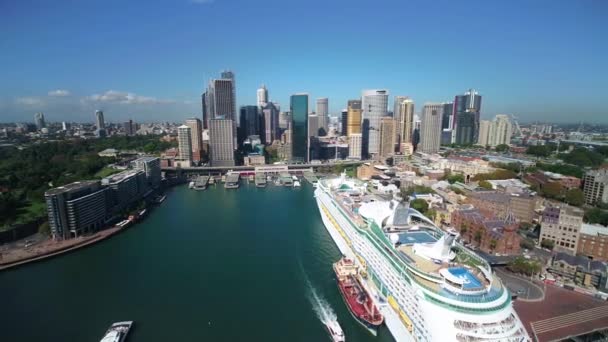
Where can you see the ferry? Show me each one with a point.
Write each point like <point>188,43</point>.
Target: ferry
<point>426,284</point>
<point>296,184</point>
<point>161,199</point>
<point>356,297</point>
<point>117,332</point>
<point>335,331</point>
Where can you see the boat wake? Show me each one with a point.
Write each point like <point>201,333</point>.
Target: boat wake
<point>324,311</point>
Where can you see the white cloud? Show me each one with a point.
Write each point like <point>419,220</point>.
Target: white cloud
<point>29,101</point>
<point>114,96</point>
<point>59,93</point>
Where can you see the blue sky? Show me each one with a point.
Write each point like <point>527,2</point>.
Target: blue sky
<point>149,60</point>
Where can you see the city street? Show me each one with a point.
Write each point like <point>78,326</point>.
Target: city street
<point>524,288</point>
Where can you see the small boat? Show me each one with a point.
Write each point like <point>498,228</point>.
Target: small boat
<point>191,185</point>
<point>160,199</point>
<point>335,331</point>
<point>117,332</point>
<point>294,178</point>
<point>296,184</point>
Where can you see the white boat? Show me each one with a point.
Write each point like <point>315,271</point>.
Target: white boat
<point>191,185</point>
<point>296,184</point>
<point>294,178</point>
<point>117,332</point>
<point>335,331</point>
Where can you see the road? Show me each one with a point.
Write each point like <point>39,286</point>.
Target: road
<point>245,168</point>
<point>524,288</point>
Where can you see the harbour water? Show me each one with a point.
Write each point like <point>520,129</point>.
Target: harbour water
<point>213,265</point>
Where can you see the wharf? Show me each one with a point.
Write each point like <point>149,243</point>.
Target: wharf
<point>201,182</point>
<point>232,180</point>
<point>286,179</point>
<point>260,180</point>
<point>310,177</point>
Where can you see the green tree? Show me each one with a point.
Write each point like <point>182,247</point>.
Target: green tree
<point>575,197</point>
<point>552,190</point>
<point>485,184</point>
<point>596,215</point>
<point>493,244</point>
<point>44,228</point>
<point>455,178</point>
<point>502,148</point>
<point>478,236</point>
<point>548,244</point>
<point>420,205</point>
<point>539,151</point>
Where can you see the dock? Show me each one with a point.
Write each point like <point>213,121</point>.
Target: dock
<point>311,178</point>
<point>285,179</point>
<point>232,180</point>
<point>260,180</point>
<point>201,182</point>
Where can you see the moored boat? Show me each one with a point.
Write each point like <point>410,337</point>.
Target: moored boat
<point>356,297</point>
<point>117,332</point>
<point>335,331</point>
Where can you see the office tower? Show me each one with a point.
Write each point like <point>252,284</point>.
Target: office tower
<point>353,121</point>
<point>284,119</point>
<point>220,100</point>
<point>129,127</point>
<point>99,119</point>
<point>250,122</point>
<point>561,225</point>
<point>196,134</point>
<point>204,110</point>
<point>595,186</point>
<point>298,106</point>
<point>76,209</point>
<point>184,140</point>
<point>484,132</point>
<point>467,109</point>
<point>322,113</point>
<point>270,123</point>
<point>64,126</point>
<point>399,118</point>
<point>446,120</point>
<point>430,127</point>
<point>415,139</point>
<point>262,96</point>
<point>387,137</point>
<point>354,145</point>
<point>151,168</point>
<point>374,105</point>
<point>229,75</point>
<point>221,142</point>
<point>344,122</point>
<point>314,125</point>
<point>500,131</point>
<point>39,120</point>
<point>406,114</point>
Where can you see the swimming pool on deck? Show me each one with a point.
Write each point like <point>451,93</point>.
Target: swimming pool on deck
<point>410,238</point>
<point>470,281</point>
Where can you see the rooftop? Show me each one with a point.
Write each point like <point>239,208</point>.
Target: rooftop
<point>71,187</point>
<point>593,229</point>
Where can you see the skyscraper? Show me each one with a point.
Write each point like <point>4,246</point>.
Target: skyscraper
<point>220,100</point>
<point>270,123</point>
<point>101,125</point>
<point>229,75</point>
<point>354,146</point>
<point>204,110</point>
<point>406,112</point>
<point>484,132</point>
<point>221,143</point>
<point>387,137</point>
<point>129,127</point>
<point>399,118</point>
<point>184,140</point>
<point>299,129</point>
<point>314,124</point>
<point>322,112</point>
<point>353,121</point>
<point>39,120</point>
<point>467,109</point>
<point>250,122</point>
<point>374,106</point>
<point>501,130</point>
<point>343,122</point>
<point>430,127</point>
<point>196,132</point>
<point>262,96</point>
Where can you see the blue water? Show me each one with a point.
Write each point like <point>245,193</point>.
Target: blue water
<point>460,272</point>
<point>410,238</point>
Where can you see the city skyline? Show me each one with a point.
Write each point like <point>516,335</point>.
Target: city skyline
<point>509,67</point>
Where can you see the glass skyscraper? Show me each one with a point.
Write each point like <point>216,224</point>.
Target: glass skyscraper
<point>467,109</point>
<point>298,105</point>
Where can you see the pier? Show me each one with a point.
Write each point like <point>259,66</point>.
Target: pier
<point>201,182</point>
<point>232,180</point>
<point>310,178</point>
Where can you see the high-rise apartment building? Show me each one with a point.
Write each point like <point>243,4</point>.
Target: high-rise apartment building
<point>322,113</point>
<point>447,123</point>
<point>151,167</point>
<point>299,128</point>
<point>387,137</point>
<point>595,186</point>
<point>430,127</point>
<point>221,143</point>
<point>314,124</point>
<point>354,145</point>
<point>467,109</point>
<point>399,118</point>
<point>76,209</point>
<point>374,105</point>
<point>196,131</point>
<point>561,225</point>
<point>262,97</point>
<point>353,120</point>
<point>184,140</point>
<point>484,132</point>
<point>39,120</point>
<point>126,188</point>
<point>406,113</point>
<point>220,101</point>
<point>495,132</point>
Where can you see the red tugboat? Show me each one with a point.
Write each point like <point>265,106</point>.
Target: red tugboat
<point>356,297</point>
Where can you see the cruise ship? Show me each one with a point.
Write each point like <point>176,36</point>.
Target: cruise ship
<point>427,285</point>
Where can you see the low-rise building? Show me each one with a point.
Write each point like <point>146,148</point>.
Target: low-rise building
<point>254,159</point>
<point>580,270</point>
<point>593,242</point>
<point>500,204</point>
<point>561,225</point>
<point>489,234</point>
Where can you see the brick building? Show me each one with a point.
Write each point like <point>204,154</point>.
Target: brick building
<point>500,204</point>
<point>490,234</point>
<point>593,242</point>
